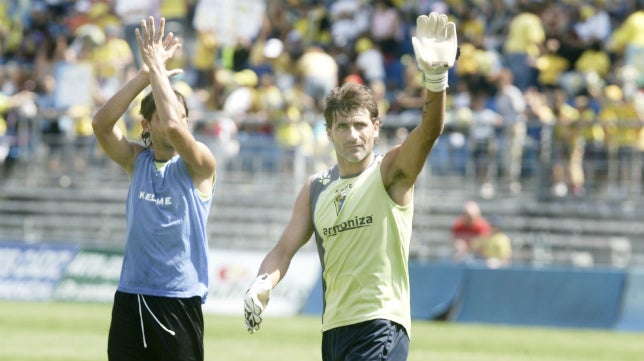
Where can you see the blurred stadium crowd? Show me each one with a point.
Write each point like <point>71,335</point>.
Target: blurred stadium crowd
<point>549,89</point>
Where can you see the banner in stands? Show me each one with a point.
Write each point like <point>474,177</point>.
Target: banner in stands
<point>230,20</point>
<point>91,276</point>
<point>30,272</point>
<point>73,85</point>
<point>232,272</point>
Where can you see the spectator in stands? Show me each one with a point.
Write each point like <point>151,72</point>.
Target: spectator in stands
<point>497,15</point>
<point>165,267</point>
<point>593,60</point>
<point>386,28</point>
<point>593,23</point>
<point>379,89</point>
<point>524,43</point>
<point>638,100</point>
<point>473,26</point>
<point>478,66</point>
<point>482,139</point>
<point>102,15</point>
<point>467,226</point>
<point>130,12</point>
<point>277,58</point>
<point>17,113</point>
<point>409,98</point>
<point>54,125</point>
<point>623,132</point>
<point>511,104</point>
<point>349,19</point>
<point>628,38</point>
<point>5,140</point>
<point>111,58</point>
<point>360,211</point>
<point>627,44</point>
<point>592,65</point>
<point>370,61</point>
<point>204,58</point>
<point>563,147</point>
<point>319,72</point>
<point>294,136</point>
<point>83,136</point>
<point>495,249</point>
<point>551,65</point>
<point>271,104</point>
<point>539,120</point>
<point>554,16</point>
<point>177,16</point>
<point>587,146</point>
<point>11,29</point>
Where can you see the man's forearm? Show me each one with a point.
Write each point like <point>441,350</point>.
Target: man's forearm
<point>433,115</point>
<point>118,104</point>
<point>166,101</point>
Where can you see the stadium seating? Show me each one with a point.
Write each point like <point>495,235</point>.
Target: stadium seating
<point>252,214</point>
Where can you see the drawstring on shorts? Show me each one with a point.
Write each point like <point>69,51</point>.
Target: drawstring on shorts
<point>139,298</point>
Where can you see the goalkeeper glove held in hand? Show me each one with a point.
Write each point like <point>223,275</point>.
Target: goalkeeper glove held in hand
<point>256,301</point>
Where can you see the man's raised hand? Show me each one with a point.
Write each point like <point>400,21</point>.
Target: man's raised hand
<point>435,47</point>
<point>156,50</point>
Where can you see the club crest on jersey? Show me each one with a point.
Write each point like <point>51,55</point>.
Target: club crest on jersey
<point>338,202</point>
<point>339,199</point>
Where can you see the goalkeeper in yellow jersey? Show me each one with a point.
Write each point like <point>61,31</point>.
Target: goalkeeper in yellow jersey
<point>360,212</point>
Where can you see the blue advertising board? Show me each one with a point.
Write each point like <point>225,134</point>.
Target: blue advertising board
<point>31,272</point>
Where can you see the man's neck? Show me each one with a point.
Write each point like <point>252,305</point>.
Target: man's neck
<point>352,169</point>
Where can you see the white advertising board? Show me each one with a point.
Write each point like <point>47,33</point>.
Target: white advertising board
<point>232,272</point>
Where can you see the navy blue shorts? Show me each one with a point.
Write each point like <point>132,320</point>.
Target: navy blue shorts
<point>375,340</point>
<point>155,328</point>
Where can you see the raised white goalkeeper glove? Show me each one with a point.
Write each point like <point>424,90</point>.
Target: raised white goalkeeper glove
<point>256,300</point>
<point>435,47</point>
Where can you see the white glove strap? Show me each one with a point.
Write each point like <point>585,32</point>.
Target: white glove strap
<point>435,80</point>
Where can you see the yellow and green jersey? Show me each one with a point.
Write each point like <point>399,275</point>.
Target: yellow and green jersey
<point>363,240</point>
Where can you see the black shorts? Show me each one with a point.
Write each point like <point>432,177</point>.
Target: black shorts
<point>155,328</point>
<point>375,340</point>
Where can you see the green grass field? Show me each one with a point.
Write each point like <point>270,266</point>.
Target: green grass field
<point>78,331</point>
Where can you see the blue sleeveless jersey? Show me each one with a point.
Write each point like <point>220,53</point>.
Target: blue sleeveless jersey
<point>166,250</point>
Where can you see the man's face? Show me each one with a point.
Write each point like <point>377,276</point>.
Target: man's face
<point>353,135</point>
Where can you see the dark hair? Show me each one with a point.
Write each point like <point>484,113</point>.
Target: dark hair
<point>348,98</point>
<point>148,107</point>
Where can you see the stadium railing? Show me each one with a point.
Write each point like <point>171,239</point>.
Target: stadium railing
<point>83,202</point>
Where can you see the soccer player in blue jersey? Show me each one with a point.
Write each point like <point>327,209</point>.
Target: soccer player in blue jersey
<point>157,311</point>
<point>360,212</point>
